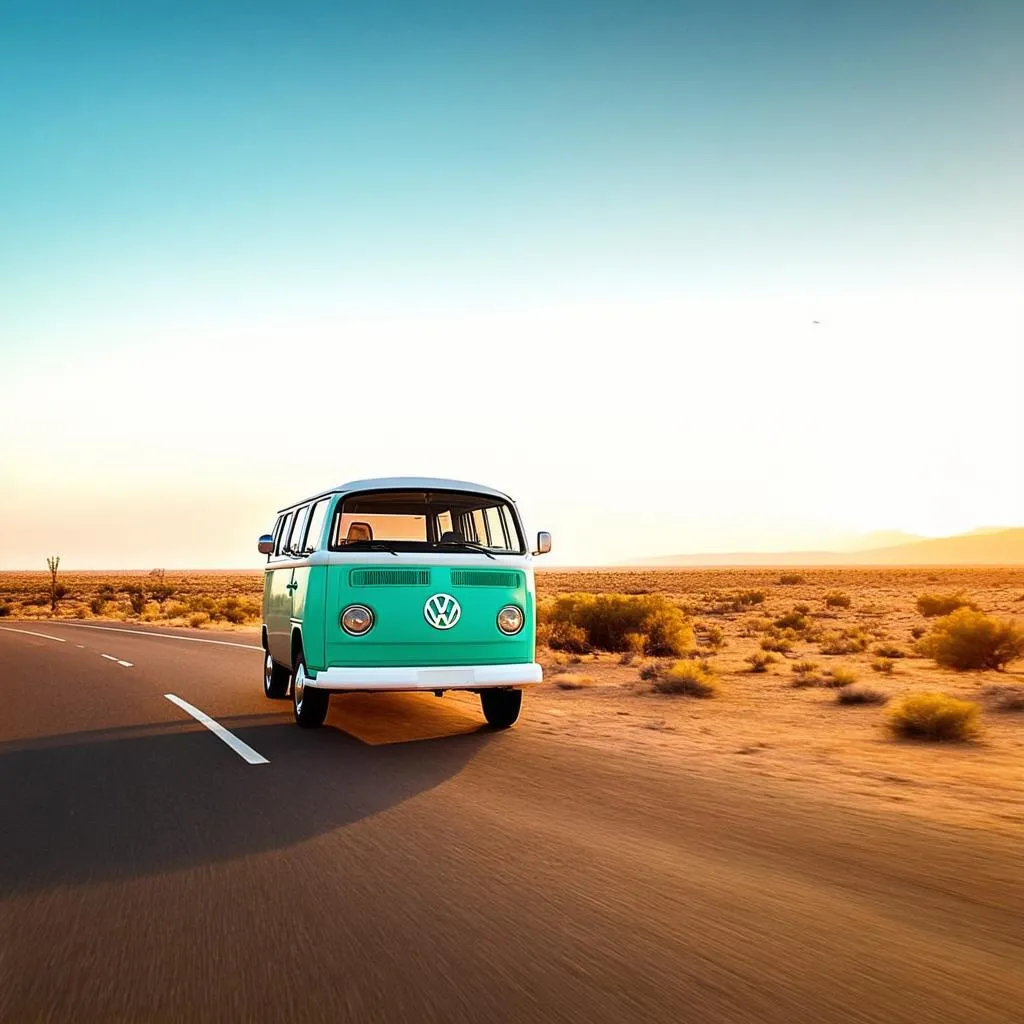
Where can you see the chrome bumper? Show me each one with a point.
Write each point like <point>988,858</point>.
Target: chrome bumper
<point>432,677</point>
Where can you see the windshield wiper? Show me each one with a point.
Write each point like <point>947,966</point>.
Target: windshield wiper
<point>379,545</point>
<point>472,544</point>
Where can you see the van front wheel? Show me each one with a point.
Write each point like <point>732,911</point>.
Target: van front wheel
<point>501,707</point>
<point>310,704</point>
<point>275,679</point>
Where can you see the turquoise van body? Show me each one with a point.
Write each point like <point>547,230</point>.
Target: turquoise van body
<point>400,583</point>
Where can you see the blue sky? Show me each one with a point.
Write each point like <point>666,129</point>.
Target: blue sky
<point>186,194</point>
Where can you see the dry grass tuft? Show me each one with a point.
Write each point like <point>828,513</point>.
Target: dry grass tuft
<point>884,666</point>
<point>890,651</point>
<point>839,676</point>
<point>931,605</point>
<point>792,579</point>
<point>860,695</point>
<point>760,662</point>
<point>935,716</point>
<point>778,644</point>
<point>686,679</point>
<point>837,599</point>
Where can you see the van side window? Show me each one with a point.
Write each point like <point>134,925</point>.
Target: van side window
<point>282,536</point>
<point>298,531</point>
<point>316,525</point>
<point>277,530</point>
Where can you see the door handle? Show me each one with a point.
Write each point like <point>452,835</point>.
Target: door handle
<point>293,586</point>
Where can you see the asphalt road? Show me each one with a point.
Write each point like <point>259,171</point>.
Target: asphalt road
<point>404,864</point>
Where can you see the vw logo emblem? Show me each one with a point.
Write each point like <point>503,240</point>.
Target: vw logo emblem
<point>442,611</point>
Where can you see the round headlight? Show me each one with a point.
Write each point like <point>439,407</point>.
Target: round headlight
<point>356,619</point>
<point>510,619</point>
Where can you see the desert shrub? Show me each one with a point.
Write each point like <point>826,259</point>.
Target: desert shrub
<point>791,579</point>
<point>890,651</point>
<point>1005,698</point>
<point>572,681</point>
<point>564,636</point>
<point>176,610</point>
<point>931,605</point>
<point>935,716</point>
<point>969,639</point>
<point>235,610</point>
<point>749,597</point>
<point>760,662</point>
<point>756,625</point>
<point>918,631</point>
<point>846,641</point>
<point>106,592</point>
<point>137,599</point>
<point>161,592</point>
<point>607,620</point>
<point>791,620</point>
<point>860,695</point>
<point>97,605</point>
<point>777,644</point>
<point>151,613</point>
<point>883,666</point>
<point>687,679</point>
<point>805,674</point>
<point>710,634</point>
<point>651,671</point>
<point>802,609</point>
<point>837,599</point>
<point>198,619</point>
<point>838,677</point>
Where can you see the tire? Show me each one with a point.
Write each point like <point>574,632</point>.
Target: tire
<point>275,679</point>
<point>501,707</point>
<point>309,703</point>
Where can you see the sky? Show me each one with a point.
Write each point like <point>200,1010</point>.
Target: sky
<point>679,277</point>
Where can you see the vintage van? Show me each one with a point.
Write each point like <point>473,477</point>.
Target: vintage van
<point>400,583</point>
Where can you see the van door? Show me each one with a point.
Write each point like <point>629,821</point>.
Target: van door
<point>297,585</point>
<point>278,597</point>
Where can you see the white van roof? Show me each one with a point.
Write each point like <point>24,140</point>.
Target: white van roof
<point>418,483</point>
<point>402,483</point>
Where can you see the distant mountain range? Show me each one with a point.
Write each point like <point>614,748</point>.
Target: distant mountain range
<point>984,546</point>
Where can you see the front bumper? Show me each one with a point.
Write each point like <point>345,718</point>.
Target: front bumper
<point>433,677</point>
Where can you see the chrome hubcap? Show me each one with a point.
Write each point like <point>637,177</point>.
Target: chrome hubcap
<point>268,667</point>
<point>299,684</point>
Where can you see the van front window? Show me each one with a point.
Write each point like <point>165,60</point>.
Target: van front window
<point>426,521</point>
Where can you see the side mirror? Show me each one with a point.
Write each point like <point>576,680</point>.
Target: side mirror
<point>543,543</point>
<point>266,544</point>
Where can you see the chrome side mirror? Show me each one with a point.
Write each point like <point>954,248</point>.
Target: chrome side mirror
<point>266,544</point>
<point>543,543</point>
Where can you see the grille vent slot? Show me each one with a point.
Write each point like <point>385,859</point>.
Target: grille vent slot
<point>389,578</point>
<point>485,578</point>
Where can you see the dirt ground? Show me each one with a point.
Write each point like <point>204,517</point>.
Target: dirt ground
<point>759,725</point>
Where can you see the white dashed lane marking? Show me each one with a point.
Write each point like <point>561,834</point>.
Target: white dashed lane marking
<point>110,657</point>
<point>242,749</point>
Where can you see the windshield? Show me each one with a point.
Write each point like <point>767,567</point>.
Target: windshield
<point>426,521</point>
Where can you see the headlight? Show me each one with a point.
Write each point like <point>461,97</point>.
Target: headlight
<point>356,619</point>
<point>510,619</point>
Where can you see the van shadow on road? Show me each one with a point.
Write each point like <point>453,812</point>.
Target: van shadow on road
<point>100,806</point>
